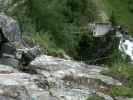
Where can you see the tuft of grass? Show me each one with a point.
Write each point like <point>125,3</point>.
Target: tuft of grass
<point>45,40</point>
<point>121,91</point>
<point>95,97</point>
<point>124,72</point>
<point>122,69</point>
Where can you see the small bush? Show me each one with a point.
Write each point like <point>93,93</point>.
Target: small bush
<point>121,91</point>
<point>95,97</point>
<point>121,71</point>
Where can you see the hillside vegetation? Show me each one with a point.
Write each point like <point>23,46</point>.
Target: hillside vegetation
<point>122,10</point>
<point>59,24</point>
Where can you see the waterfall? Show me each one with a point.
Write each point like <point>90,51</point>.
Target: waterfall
<point>126,45</point>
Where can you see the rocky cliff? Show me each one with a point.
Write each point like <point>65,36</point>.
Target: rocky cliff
<point>25,74</point>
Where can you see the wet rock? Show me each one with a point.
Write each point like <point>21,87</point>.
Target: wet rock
<point>126,47</point>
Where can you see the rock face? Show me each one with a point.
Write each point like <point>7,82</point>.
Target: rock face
<point>12,50</point>
<point>61,69</point>
<point>9,28</point>
<point>10,35</point>
<point>17,92</point>
<point>54,79</point>
<point>15,85</point>
<point>73,80</point>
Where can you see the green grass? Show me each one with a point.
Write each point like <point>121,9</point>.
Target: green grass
<point>121,11</point>
<point>45,41</point>
<point>121,69</point>
<point>95,97</point>
<point>123,72</point>
<point>121,91</point>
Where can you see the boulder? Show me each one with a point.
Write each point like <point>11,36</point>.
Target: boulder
<point>8,48</point>
<point>12,50</point>
<point>9,61</point>
<point>10,28</point>
<point>13,92</point>
<point>26,55</point>
<point>15,85</point>
<point>10,86</point>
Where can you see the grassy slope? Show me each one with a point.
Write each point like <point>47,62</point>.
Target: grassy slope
<point>124,72</point>
<point>121,11</point>
<point>121,71</point>
<point>58,23</point>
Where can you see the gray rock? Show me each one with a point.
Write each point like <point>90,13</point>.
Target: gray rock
<point>10,28</point>
<point>7,69</point>
<point>14,92</point>
<point>73,80</point>
<point>10,53</point>
<point>9,61</point>
<point>10,86</point>
<point>15,85</point>
<point>0,37</point>
<point>6,98</point>
<point>61,68</point>
<point>8,48</point>
<point>11,44</point>
<point>106,97</point>
<point>26,55</point>
<point>41,96</point>
<point>123,98</point>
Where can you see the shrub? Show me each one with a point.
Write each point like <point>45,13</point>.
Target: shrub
<point>95,97</point>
